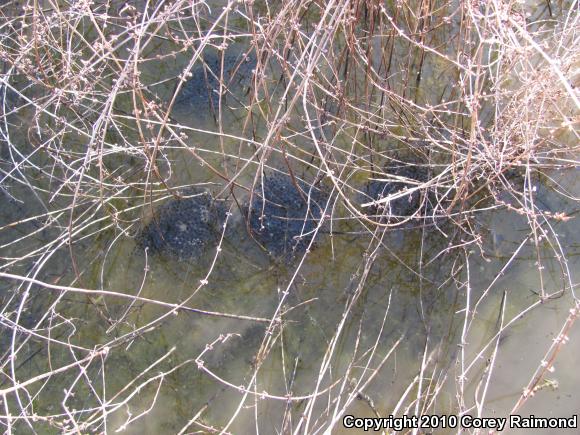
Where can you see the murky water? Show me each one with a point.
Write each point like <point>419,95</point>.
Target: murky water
<point>237,338</point>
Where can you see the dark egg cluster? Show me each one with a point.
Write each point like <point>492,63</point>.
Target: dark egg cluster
<point>406,204</point>
<point>202,88</point>
<point>284,214</point>
<point>183,228</point>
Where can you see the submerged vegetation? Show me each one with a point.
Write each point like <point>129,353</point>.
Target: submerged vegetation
<point>399,158</point>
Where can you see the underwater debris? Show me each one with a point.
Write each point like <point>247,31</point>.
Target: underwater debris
<point>184,228</point>
<point>283,219</point>
<point>202,89</point>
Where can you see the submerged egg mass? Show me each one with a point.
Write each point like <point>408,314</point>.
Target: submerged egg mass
<point>202,89</point>
<point>284,219</point>
<point>183,228</point>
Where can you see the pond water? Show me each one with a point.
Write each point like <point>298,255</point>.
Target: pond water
<point>241,328</point>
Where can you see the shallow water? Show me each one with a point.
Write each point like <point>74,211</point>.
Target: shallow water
<point>353,298</point>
